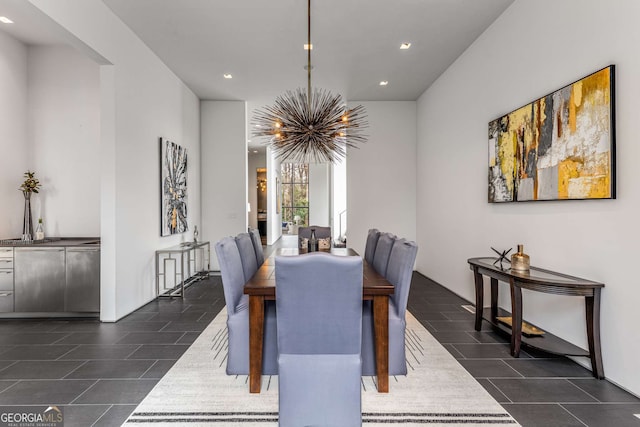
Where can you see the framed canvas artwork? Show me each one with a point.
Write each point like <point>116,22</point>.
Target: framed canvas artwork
<point>559,147</point>
<point>173,188</point>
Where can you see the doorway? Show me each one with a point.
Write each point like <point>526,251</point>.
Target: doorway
<point>261,197</point>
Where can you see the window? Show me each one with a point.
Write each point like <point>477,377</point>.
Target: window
<point>295,192</point>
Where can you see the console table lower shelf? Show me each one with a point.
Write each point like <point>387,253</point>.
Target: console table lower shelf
<point>547,342</point>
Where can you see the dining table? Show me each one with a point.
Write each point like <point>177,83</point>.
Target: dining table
<point>262,287</point>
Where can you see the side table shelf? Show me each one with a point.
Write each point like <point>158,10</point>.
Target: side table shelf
<point>547,342</point>
<point>182,257</point>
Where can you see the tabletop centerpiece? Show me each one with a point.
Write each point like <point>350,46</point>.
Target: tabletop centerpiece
<point>30,185</point>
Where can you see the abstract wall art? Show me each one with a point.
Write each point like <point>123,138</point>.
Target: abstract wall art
<point>173,188</point>
<point>560,146</point>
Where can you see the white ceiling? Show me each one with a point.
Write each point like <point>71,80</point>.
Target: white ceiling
<point>356,43</point>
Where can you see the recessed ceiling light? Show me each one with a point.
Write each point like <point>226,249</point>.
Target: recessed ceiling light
<point>405,46</point>
<point>228,76</point>
<point>384,83</point>
<point>308,46</point>
<point>5,20</point>
<point>255,151</point>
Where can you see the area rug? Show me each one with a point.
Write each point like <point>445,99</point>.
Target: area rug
<point>437,390</point>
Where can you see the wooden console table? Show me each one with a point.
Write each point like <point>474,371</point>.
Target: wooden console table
<point>540,280</point>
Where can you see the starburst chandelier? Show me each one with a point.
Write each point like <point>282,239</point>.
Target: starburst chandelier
<point>310,125</point>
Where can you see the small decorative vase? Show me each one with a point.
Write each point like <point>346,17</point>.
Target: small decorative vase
<point>39,230</point>
<point>27,224</point>
<point>520,260</point>
<point>313,242</point>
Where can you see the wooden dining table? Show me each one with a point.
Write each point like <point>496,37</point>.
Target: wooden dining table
<point>262,287</point>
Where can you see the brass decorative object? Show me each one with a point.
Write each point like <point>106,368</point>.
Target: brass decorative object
<point>312,125</point>
<point>527,329</point>
<point>520,260</point>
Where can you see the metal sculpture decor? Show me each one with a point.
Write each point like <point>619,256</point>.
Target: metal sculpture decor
<point>502,256</point>
<point>310,125</point>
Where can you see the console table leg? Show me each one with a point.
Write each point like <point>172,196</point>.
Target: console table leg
<point>516,319</point>
<point>494,300</point>
<point>479,297</point>
<point>593,333</point>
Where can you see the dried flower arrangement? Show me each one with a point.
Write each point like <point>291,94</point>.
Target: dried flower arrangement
<point>31,183</point>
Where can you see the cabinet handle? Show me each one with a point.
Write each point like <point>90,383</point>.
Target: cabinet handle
<point>43,250</point>
<point>7,272</point>
<point>6,260</point>
<point>84,250</point>
<point>6,294</point>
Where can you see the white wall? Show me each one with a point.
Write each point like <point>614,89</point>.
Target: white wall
<point>381,174</point>
<point>339,199</point>
<point>224,170</point>
<point>320,194</point>
<point>13,122</point>
<point>64,136</point>
<point>141,100</point>
<point>527,53</point>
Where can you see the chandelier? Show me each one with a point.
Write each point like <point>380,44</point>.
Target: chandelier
<point>310,125</point>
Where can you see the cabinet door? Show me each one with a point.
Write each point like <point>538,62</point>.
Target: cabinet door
<point>82,293</point>
<point>39,278</point>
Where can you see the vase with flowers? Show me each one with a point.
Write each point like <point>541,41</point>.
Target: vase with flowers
<point>29,186</point>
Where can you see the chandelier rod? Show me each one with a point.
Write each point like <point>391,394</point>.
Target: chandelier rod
<point>309,53</point>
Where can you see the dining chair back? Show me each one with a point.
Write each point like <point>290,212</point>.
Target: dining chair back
<point>257,246</point>
<point>319,305</point>
<point>231,273</point>
<point>247,255</point>
<point>382,252</point>
<point>233,280</point>
<point>399,273</point>
<point>370,248</point>
<point>321,231</point>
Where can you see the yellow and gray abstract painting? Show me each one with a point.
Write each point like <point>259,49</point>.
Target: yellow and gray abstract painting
<point>560,146</point>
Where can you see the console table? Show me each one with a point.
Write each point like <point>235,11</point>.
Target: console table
<point>540,280</point>
<point>181,256</point>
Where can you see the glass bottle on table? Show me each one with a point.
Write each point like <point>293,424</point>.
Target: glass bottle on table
<point>39,234</point>
<point>313,242</point>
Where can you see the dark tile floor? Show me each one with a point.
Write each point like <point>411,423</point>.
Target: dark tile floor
<point>537,389</point>
<point>99,372</point>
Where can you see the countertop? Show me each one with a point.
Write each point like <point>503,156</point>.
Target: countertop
<point>55,242</point>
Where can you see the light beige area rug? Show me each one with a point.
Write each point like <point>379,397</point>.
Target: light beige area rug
<point>437,390</point>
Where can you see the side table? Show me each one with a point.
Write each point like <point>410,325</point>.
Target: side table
<point>540,280</point>
<point>181,256</point>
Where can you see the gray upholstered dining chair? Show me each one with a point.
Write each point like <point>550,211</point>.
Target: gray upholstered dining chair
<point>247,255</point>
<point>370,248</point>
<point>382,252</point>
<point>399,273</point>
<point>238,314</point>
<point>257,246</point>
<point>319,305</point>
<point>321,233</point>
